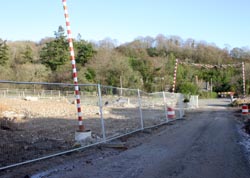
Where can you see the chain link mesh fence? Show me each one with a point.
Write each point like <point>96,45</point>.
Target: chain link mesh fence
<point>40,119</point>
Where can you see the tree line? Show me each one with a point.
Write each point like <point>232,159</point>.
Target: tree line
<point>146,63</point>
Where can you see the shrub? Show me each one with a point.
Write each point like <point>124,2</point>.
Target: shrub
<point>205,94</point>
<point>188,88</point>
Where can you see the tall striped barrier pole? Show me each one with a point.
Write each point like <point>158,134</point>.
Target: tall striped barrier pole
<point>175,73</point>
<point>243,80</point>
<point>73,62</point>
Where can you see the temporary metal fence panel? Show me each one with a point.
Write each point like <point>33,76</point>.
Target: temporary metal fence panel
<point>179,105</point>
<point>171,99</point>
<point>32,127</point>
<point>120,111</point>
<point>153,109</point>
<point>40,120</point>
<point>193,103</point>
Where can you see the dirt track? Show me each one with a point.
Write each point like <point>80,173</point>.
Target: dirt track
<point>204,145</point>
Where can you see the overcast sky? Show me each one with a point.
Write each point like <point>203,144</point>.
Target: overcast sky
<point>222,22</point>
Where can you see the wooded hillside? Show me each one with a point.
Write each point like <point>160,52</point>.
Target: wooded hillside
<point>146,63</point>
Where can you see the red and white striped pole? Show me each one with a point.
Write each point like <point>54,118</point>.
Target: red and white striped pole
<point>243,78</point>
<point>175,72</point>
<point>73,62</point>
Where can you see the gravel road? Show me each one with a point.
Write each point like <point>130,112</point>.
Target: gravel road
<point>203,145</point>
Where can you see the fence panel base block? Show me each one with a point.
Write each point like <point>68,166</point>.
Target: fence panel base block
<point>81,136</point>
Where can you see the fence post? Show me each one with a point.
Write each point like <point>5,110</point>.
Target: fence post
<point>183,110</point>
<point>140,110</point>
<point>180,105</point>
<point>101,114</point>
<point>197,101</point>
<point>165,105</point>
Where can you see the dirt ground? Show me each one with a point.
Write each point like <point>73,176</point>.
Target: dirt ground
<point>89,155</point>
<point>30,129</point>
<point>203,144</point>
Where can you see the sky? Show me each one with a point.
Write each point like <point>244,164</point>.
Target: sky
<point>224,23</point>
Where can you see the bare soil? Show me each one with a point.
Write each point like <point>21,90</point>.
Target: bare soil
<point>32,129</point>
<point>90,155</point>
<point>205,144</point>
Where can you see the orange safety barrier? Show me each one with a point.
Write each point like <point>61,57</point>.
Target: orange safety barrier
<point>171,113</point>
<point>244,109</point>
